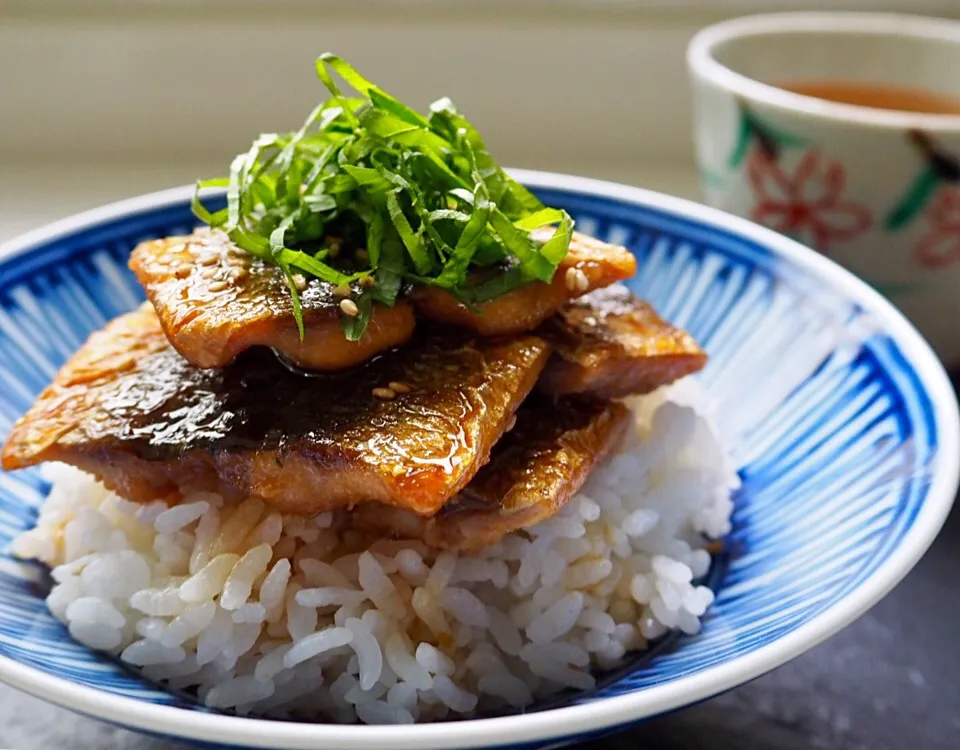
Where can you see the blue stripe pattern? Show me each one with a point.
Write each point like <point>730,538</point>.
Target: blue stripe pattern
<point>834,428</point>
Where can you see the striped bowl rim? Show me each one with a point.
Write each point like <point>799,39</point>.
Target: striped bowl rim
<point>582,719</point>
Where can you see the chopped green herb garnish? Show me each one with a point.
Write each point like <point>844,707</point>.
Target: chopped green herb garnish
<point>421,193</point>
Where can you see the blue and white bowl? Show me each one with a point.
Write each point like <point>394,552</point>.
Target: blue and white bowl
<point>844,424</point>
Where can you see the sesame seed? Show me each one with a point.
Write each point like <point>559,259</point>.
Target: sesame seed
<point>299,282</point>
<point>208,273</point>
<point>349,307</point>
<point>367,281</point>
<point>512,423</point>
<point>576,280</point>
<point>239,273</point>
<point>385,393</point>
<point>218,286</point>
<point>183,271</point>
<point>208,260</point>
<point>343,290</point>
<point>399,387</point>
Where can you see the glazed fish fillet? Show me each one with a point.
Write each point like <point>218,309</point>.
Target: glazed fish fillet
<point>216,301</point>
<point>409,429</point>
<point>534,470</point>
<point>589,264</point>
<point>611,344</point>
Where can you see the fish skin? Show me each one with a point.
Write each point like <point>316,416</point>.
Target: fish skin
<point>128,409</point>
<point>215,301</point>
<point>535,469</point>
<point>526,307</point>
<point>612,345</point>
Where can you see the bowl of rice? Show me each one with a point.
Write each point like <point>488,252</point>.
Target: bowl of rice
<point>751,511</point>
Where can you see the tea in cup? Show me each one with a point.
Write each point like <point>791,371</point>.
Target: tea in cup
<point>842,130</point>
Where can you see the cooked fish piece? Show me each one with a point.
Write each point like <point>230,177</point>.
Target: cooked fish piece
<point>589,264</point>
<point>611,344</point>
<point>409,429</point>
<point>216,301</point>
<point>534,470</point>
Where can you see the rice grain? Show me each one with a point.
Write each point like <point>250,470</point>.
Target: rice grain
<point>271,614</point>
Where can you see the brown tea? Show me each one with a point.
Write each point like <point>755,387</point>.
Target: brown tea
<point>877,96</point>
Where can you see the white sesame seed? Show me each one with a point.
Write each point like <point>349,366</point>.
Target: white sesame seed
<point>343,290</point>
<point>208,260</point>
<point>396,385</point>
<point>299,282</point>
<point>218,286</point>
<point>384,393</point>
<point>349,307</point>
<point>576,280</point>
<point>239,273</point>
<point>208,273</point>
<point>183,271</point>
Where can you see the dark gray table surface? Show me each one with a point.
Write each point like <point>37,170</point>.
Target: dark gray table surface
<point>890,681</point>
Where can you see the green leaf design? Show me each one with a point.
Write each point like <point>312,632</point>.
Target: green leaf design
<point>918,195</point>
<point>744,137</point>
<point>752,127</point>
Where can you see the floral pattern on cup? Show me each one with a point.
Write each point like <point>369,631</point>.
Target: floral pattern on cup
<point>933,195</point>
<point>877,190</point>
<point>938,169</point>
<point>940,246</point>
<point>807,204</point>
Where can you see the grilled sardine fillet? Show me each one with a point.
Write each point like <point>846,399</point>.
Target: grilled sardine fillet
<point>409,429</point>
<point>526,307</point>
<point>611,344</point>
<point>216,301</point>
<point>534,471</point>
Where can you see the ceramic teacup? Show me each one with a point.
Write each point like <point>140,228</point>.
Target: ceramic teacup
<point>877,190</point>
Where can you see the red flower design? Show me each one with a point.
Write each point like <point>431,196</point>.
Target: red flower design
<point>940,246</point>
<point>808,204</point>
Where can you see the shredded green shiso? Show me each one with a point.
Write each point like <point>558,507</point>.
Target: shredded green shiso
<point>430,202</point>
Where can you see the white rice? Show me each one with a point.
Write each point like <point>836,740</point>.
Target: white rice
<point>285,616</point>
